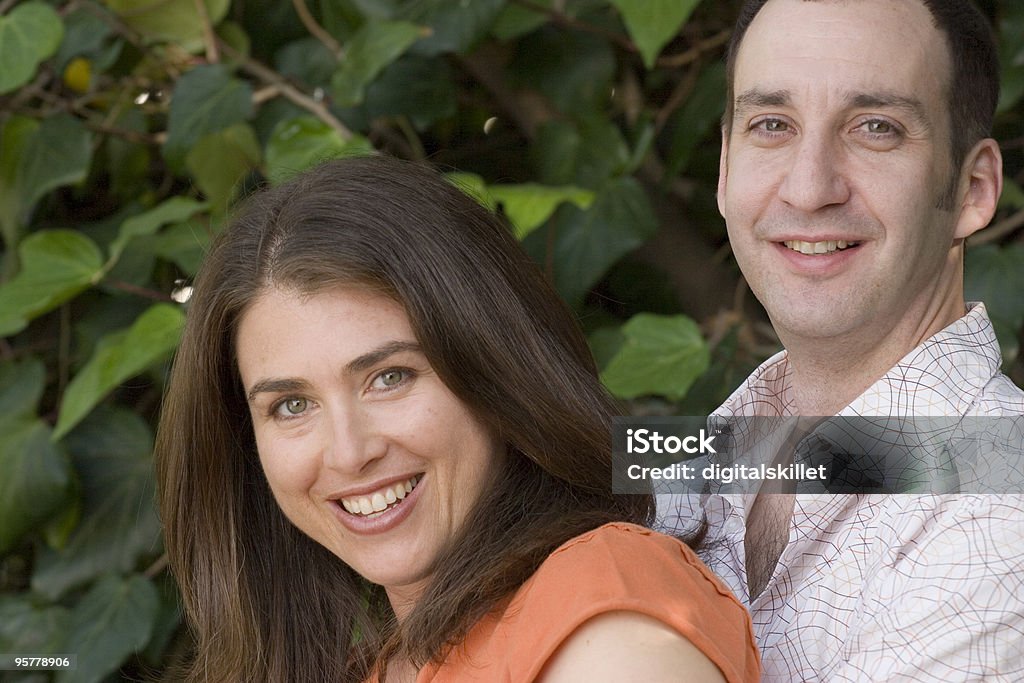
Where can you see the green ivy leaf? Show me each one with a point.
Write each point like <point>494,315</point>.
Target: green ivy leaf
<point>995,275</point>
<point>184,245</point>
<point>15,134</point>
<point>112,454</point>
<point>653,23</point>
<point>301,143</point>
<point>588,242</point>
<point>220,161</point>
<point>1012,196</point>
<point>174,210</point>
<point>113,620</point>
<point>515,20</point>
<point>574,70</point>
<point>455,26</point>
<point>28,35</point>
<point>207,99</point>
<point>56,265</point>
<point>660,356</point>
<point>27,628</point>
<point>372,48</point>
<point>529,205</point>
<point>174,21</point>
<point>701,113</point>
<point>119,356</point>
<point>36,473</point>
<point>59,153</point>
<point>421,89</point>
<point>1011,55</point>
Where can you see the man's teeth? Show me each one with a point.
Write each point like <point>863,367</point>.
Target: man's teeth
<point>811,248</point>
<point>378,501</point>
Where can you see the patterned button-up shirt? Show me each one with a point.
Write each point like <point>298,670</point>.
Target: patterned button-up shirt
<point>885,587</point>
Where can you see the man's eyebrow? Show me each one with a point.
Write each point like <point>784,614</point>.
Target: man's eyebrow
<point>755,99</point>
<point>884,100</point>
<point>358,364</point>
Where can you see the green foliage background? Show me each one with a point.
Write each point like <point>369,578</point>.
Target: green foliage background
<point>129,127</point>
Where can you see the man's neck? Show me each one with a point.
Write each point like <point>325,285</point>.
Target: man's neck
<point>828,374</point>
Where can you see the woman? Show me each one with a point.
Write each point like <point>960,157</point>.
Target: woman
<point>384,453</point>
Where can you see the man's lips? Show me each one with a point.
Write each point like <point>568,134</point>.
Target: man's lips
<point>821,247</point>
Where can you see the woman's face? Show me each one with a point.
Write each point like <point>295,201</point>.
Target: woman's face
<point>365,449</point>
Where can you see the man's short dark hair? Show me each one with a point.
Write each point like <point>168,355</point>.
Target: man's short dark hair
<point>973,88</point>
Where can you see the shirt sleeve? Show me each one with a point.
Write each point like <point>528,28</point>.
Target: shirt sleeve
<point>950,605</point>
<point>626,567</point>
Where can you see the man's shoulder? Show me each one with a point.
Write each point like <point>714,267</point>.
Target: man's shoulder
<point>999,397</point>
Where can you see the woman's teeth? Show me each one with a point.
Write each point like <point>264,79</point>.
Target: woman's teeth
<point>378,501</point>
<point>812,248</point>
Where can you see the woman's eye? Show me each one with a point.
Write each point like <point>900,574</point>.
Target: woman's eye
<point>774,125</point>
<point>389,379</point>
<point>292,407</point>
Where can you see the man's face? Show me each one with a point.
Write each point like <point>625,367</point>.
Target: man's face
<point>836,165</point>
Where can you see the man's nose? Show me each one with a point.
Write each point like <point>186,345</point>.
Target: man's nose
<point>351,440</point>
<point>815,177</point>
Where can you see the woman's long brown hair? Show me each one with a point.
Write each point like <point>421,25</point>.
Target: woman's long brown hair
<point>265,602</point>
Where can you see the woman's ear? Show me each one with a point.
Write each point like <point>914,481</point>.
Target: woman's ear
<point>983,176</point>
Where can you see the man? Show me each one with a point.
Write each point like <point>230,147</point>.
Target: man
<point>855,162</point>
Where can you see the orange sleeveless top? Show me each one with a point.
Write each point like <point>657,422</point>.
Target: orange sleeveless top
<point>615,567</point>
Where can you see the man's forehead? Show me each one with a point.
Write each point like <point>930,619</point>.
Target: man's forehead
<point>845,45</point>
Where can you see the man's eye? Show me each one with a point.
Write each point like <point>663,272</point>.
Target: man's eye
<point>292,407</point>
<point>877,127</point>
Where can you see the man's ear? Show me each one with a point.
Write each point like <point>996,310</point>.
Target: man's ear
<point>983,175</point>
<point>723,171</point>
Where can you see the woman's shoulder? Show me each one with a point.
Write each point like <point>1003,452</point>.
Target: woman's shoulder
<point>630,556</point>
<point>622,567</point>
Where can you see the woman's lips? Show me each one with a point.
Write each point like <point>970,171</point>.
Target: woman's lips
<point>385,508</point>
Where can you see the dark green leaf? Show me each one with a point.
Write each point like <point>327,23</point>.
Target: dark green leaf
<point>58,154</point>
<point>661,356</point>
<point>34,474</point>
<point>455,26</point>
<point>652,23</point>
<point>85,33</point>
<point>220,161</point>
<point>995,275</point>
<point>173,210</point>
<point>15,133</point>
<point>26,628</point>
<point>56,265</point>
<point>301,143</point>
<point>701,113</point>
<point>516,20</point>
<point>573,70</point>
<point>1012,196</point>
<point>1011,55</point>
<point>422,89</point>
<point>588,242</point>
<point>372,48</point>
<point>206,100</point>
<point>111,450</point>
<point>120,356</point>
<point>183,244</point>
<point>176,21</point>
<point>113,620</point>
<point>28,35</point>
<point>308,61</point>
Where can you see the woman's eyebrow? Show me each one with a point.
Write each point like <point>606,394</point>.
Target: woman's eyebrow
<point>371,358</point>
<point>358,364</point>
<point>275,386</point>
